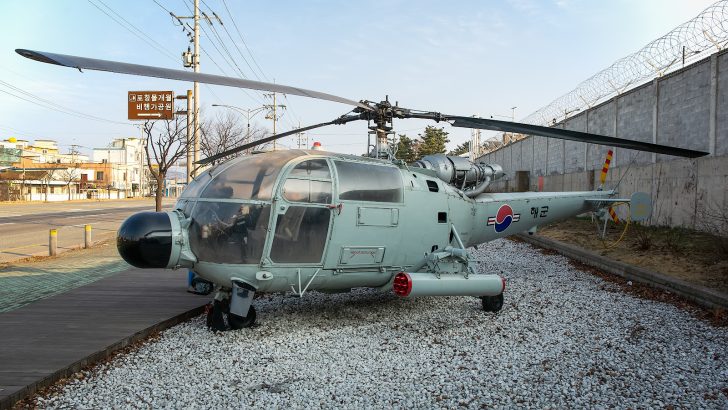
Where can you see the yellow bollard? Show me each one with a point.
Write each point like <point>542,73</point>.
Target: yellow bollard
<point>87,236</point>
<point>53,242</point>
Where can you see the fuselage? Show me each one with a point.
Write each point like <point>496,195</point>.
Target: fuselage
<point>284,220</point>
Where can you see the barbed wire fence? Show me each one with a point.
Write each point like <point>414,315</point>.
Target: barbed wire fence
<point>691,41</point>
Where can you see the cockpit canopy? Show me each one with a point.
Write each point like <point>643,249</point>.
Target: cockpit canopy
<point>230,206</point>
<point>248,177</point>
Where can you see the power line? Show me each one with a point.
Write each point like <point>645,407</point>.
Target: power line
<point>140,33</point>
<point>257,101</point>
<point>243,40</point>
<point>252,70</point>
<point>53,106</point>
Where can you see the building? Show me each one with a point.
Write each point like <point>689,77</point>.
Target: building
<point>38,171</point>
<point>128,171</point>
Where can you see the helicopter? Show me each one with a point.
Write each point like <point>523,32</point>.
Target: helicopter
<point>309,220</point>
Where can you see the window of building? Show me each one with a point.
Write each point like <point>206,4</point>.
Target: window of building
<point>367,182</point>
<point>99,175</point>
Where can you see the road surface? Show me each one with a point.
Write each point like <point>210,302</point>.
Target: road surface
<point>24,227</point>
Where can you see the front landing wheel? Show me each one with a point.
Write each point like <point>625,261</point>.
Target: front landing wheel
<point>492,303</point>
<point>215,315</point>
<point>238,322</point>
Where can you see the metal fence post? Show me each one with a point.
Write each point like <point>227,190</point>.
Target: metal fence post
<point>53,242</point>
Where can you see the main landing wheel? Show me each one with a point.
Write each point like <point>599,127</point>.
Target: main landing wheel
<point>238,322</point>
<point>219,310</point>
<point>492,303</point>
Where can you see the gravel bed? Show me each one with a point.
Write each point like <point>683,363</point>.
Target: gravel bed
<point>564,338</point>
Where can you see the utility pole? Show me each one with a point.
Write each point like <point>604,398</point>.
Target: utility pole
<point>197,85</point>
<point>193,60</point>
<point>300,136</point>
<point>190,155</point>
<point>273,115</point>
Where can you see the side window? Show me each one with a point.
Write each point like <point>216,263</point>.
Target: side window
<point>367,182</point>
<point>309,182</point>
<point>300,235</point>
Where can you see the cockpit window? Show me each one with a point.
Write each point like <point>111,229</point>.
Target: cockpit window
<point>250,177</point>
<point>367,182</point>
<point>315,168</point>
<point>195,186</point>
<point>228,232</point>
<point>310,182</point>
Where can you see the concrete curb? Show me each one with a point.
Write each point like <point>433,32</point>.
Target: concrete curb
<point>700,294</point>
<point>10,401</point>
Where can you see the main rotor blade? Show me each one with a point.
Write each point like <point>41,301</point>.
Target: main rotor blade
<point>149,71</point>
<point>505,126</point>
<point>340,120</point>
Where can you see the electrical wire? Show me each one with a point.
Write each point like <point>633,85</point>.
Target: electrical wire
<point>243,40</point>
<point>231,40</point>
<point>189,8</point>
<point>138,33</point>
<point>626,226</point>
<point>53,106</point>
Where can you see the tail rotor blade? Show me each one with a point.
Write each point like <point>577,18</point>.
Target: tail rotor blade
<point>613,215</point>
<point>605,169</point>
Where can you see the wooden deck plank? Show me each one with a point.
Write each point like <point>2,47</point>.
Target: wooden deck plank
<point>54,337</point>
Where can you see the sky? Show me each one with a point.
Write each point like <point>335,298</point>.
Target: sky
<point>456,57</point>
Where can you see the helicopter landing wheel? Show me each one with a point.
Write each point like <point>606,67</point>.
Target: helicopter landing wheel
<point>238,322</point>
<point>215,315</point>
<point>492,303</point>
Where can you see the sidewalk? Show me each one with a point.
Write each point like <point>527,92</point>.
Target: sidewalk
<point>61,314</point>
<point>24,282</point>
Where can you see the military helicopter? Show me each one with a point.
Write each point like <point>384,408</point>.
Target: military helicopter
<point>302,220</point>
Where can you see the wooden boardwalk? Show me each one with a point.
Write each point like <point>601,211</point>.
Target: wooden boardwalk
<point>55,337</point>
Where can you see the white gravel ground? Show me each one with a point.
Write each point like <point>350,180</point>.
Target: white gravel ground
<point>563,339</point>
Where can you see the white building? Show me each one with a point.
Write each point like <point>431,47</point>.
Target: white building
<point>128,161</point>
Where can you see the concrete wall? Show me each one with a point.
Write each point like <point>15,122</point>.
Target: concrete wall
<point>687,108</point>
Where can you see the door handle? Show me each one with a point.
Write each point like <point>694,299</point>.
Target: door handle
<point>337,207</point>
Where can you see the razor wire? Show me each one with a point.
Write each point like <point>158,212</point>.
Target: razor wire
<point>693,40</point>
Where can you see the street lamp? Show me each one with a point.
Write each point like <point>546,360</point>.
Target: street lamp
<point>249,113</point>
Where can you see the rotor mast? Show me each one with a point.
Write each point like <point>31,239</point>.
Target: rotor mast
<point>381,126</point>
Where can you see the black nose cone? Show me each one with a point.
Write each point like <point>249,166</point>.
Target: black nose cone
<point>145,240</point>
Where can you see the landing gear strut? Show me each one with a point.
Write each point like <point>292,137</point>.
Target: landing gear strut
<point>492,303</point>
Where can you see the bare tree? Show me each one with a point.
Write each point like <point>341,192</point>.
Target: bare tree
<point>225,132</point>
<point>73,172</point>
<point>48,176</point>
<point>165,145</point>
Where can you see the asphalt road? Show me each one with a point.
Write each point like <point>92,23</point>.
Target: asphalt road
<point>24,227</point>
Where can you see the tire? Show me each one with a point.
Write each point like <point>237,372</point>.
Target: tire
<point>215,318</point>
<point>238,322</point>
<point>492,303</point>
<point>201,286</point>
